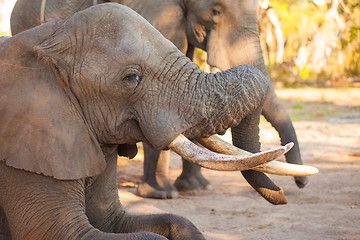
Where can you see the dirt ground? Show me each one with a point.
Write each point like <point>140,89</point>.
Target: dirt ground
<point>328,127</point>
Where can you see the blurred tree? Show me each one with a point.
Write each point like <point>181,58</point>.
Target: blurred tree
<point>273,27</point>
<point>1,17</point>
<point>320,38</point>
<point>5,11</point>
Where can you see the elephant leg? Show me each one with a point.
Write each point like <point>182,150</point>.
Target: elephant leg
<point>105,211</point>
<point>155,182</point>
<point>172,226</point>
<point>275,112</point>
<point>246,136</point>
<point>191,178</point>
<point>162,174</point>
<point>40,207</point>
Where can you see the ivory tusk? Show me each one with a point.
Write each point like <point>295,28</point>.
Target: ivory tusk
<point>287,169</point>
<point>216,144</point>
<point>222,162</point>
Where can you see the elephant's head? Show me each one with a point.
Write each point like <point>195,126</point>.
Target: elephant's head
<point>227,30</point>
<point>72,90</point>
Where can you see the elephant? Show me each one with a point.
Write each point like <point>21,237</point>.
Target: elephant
<point>77,92</point>
<point>228,32</point>
<point>3,38</point>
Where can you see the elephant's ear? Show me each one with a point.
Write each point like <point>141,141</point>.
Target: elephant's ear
<point>42,128</point>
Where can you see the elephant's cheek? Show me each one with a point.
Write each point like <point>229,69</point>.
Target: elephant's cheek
<point>130,132</point>
<point>163,129</point>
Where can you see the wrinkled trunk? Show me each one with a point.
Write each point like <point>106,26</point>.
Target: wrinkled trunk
<point>200,104</point>
<point>225,98</point>
<point>249,51</point>
<point>273,110</point>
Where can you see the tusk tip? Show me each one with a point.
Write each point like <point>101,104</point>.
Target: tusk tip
<point>288,147</point>
<point>313,170</point>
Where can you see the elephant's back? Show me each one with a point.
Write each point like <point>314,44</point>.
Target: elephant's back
<point>25,15</point>
<point>56,9</point>
<point>29,14</point>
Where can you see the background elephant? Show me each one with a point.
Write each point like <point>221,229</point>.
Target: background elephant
<point>228,31</point>
<point>76,92</point>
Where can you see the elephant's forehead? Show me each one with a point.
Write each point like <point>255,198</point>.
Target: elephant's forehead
<point>122,34</point>
<point>142,43</point>
<point>117,16</point>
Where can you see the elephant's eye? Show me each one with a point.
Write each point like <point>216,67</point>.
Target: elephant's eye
<point>215,12</point>
<point>133,77</point>
<point>132,80</point>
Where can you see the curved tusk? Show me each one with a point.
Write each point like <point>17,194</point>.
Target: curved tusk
<point>221,162</point>
<point>216,144</point>
<point>287,169</point>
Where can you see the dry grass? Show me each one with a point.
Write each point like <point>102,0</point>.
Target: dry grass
<point>313,104</point>
<point>349,97</point>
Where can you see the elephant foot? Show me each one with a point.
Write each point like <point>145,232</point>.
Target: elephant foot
<point>162,189</point>
<point>192,182</point>
<point>171,191</point>
<point>301,181</point>
<point>147,191</point>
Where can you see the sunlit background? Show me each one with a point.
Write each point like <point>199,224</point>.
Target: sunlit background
<point>6,7</point>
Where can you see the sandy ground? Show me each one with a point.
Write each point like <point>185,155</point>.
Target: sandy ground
<point>328,128</point>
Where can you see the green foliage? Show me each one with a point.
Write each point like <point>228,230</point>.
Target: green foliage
<point>321,41</point>
<point>297,106</point>
<point>200,58</point>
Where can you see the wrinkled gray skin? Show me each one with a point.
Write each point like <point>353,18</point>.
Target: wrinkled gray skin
<point>3,38</point>
<point>228,31</point>
<point>74,93</point>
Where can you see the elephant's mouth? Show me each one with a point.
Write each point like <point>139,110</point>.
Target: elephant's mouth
<point>226,157</point>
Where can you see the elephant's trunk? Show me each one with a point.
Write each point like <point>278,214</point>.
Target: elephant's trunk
<point>238,93</point>
<point>273,110</point>
<point>227,97</point>
<point>220,101</point>
<point>200,104</point>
